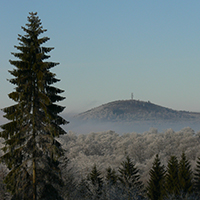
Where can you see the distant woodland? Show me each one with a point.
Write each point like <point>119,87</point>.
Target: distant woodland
<point>108,150</point>
<point>136,110</point>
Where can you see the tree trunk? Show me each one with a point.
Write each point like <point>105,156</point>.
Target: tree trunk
<point>34,143</point>
<point>34,180</point>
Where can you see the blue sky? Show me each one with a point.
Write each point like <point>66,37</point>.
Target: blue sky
<point>108,49</point>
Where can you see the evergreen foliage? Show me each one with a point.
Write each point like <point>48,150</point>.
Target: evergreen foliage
<point>4,195</point>
<point>172,181</point>
<point>69,186</point>
<point>155,188</point>
<point>95,182</point>
<point>83,190</point>
<point>185,175</point>
<point>129,177</point>
<point>31,151</point>
<point>111,186</point>
<point>197,177</point>
<point>111,176</point>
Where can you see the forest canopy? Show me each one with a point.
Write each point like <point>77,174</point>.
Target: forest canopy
<point>109,148</point>
<point>91,153</point>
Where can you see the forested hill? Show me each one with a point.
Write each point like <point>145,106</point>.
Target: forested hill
<point>135,110</point>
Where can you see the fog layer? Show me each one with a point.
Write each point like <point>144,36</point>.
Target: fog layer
<point>83,127</point>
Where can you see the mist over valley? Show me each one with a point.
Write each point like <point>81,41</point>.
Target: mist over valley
<point>126,116</point>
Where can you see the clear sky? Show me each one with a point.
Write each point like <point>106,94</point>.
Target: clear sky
<point>108,49</point>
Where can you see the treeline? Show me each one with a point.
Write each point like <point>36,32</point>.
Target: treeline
<point>97,165</point>
<point>92,160</point>
<point>109,149</point>
<point>176,181</point>
<point>107,165</point>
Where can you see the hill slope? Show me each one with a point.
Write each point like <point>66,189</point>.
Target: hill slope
<point>135,110</point>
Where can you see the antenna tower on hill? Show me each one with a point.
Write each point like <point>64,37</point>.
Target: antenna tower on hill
<point>131,96</point>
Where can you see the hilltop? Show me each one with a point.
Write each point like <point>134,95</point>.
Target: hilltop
<point>136,110</point>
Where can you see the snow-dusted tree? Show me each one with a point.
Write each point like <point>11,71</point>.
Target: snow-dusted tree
<point>31,151</point>
<point>155,188</point>
<point>69,182</point>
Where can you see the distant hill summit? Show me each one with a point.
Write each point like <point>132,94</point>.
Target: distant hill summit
<point>135,110</point>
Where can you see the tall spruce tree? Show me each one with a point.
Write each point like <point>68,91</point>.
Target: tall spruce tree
<point>155,188</point>
<point>31,150</point>
<point>185,175</point>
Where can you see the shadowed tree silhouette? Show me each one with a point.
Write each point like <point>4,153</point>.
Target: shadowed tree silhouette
<point>155,188</point>
<point>185,175</point>
<point>31,151</point>
<point>129,178</point>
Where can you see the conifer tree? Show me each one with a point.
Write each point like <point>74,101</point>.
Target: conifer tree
<point>3,194</point>
<point>185,176</point>
<point>31,150</point>
<point>155,187</point>
<point>172,181</point>
<point>197,177</point>
<point>83,190</point>
<point>111,188</point>
<point>96,182</point>
<point>129,177</point>
<point>111,176</point>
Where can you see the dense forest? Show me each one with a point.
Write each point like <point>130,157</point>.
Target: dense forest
<point>102,156</point>
<point>109,148</point>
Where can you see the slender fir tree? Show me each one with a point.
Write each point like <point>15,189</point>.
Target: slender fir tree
<point>95,183</point>
<point>185,176</point>
<point>155,187</point>
<point>172,181</point>
<point>129,178</point>
<point>111,188</point>
<point>83,190</point>
<point>197,177</point>
<point>111,176</point>
<point>31,150</point>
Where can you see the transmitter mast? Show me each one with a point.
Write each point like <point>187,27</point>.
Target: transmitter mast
<point>131,96</point>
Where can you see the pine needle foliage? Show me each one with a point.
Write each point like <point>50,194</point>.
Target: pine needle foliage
<point>172,179</point>
<point>197,177</point>
<point>185,175</point>
<point>31,151</point>
<point>96,182</point>
<point>111,176</point>
<point>155,185</point>
<point>129,178</point>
